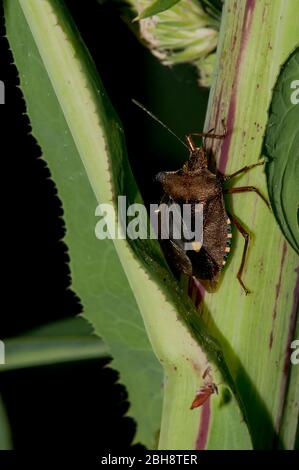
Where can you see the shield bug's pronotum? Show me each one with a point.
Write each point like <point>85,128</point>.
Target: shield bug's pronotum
<point>195,183</point>
<point>205,390</point>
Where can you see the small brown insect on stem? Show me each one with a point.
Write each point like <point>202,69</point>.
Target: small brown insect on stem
<point>205,390</point>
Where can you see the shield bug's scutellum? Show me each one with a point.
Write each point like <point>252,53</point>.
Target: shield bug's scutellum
<point>195,183</point>
<point>205,391</point>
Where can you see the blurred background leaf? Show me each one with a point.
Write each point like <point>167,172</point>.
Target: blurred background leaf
<point>5,432</point>
<point>62,341</point>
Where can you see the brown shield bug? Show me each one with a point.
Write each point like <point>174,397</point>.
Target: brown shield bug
<point>196,183</point>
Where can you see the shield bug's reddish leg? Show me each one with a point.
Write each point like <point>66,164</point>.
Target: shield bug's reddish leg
<point>246,236</point>
<point>247,189</point>
<point>195,183</point>
<point>205,390</point>
<point>242,170</point>
<point>239,226</point>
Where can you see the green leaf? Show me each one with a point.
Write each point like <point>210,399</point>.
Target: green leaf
<point>97,275</point>
<point>82,141</point>
<point>156,7</point>
<point>62,341</point>
<point>74,327</point>
<point>282,149</point>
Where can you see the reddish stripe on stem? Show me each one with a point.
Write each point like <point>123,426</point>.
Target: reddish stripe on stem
<point>250,4</point>
<point>204,426</point>
<point>287,361</point>
<point>278,286</point>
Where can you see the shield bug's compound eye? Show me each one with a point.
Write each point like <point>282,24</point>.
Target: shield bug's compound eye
<point>160,177</point>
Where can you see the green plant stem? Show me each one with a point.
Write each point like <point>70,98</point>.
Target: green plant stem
<point>176,410</point>
<point>255,331</point>
<point>175,329</point>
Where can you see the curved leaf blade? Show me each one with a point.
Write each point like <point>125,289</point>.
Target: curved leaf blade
<point>282,148</point>
<point>97,275</point>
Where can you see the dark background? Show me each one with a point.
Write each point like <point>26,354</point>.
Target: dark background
<point>78,404</point>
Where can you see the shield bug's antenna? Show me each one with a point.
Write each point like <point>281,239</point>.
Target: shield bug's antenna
<point>160,122</point>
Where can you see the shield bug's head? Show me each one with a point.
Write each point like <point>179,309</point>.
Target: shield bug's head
<point>160,177</point>
<point>197,158</point>
<point>192,182</point>
<point>197,161</point>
